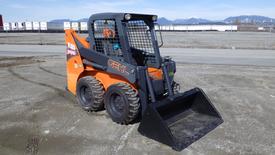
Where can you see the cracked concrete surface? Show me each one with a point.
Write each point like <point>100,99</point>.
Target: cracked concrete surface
<point>37,116</point>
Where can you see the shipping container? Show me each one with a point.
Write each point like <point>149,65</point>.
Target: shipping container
<point>221,28</point>
<point>165,27</point>
<point>261,29</point>
<point>234,27</point>
<point>1,23</point>
<point>36,25</point>
<point>27,26</point>
<point>83,26</point>
<point>55,27</point>
<point>7,26</point>
<point>67,25</point>
<point>180,28</point>
<point>14,26</point>
<point>75,26</point>
<point>43,26</point>
<point>157,27</point>
<point>20,26</point>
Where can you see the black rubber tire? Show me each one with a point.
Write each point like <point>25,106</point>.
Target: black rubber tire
<point>89,93</point>
<point>122,103</point>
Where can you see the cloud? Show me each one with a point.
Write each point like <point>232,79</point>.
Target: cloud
<point>109,5</point>
<point>172,9</point>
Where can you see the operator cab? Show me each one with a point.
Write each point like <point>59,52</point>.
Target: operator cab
<point>126,37</point>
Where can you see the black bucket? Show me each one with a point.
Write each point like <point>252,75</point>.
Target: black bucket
<point>181,120</point>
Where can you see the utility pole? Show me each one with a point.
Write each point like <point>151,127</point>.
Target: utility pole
<point>271,25</point>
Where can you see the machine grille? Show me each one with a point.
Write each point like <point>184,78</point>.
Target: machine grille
<point>139,36</point>
<point>106,38</point>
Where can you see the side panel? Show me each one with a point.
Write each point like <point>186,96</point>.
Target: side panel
<point>105,78</point>
<point>112,65</point>
<point>74,62</point>
<point>76,69</point>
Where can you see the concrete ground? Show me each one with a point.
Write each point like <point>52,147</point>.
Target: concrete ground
<point>210,40</point>
<point>37,116</point>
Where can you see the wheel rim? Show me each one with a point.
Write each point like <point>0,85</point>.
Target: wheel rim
<point>117,104</point>
<point>85,95</point>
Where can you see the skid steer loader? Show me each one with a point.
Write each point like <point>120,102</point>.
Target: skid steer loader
<point>118,67</point>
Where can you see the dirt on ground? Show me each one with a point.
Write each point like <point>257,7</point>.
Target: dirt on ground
<point>38,116</point>
<point>210,40</point>
<point>15,61</point>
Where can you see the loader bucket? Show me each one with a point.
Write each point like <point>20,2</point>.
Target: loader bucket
<point>181,120</point>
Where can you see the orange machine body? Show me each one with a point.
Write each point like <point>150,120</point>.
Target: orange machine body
<point>76,68</point>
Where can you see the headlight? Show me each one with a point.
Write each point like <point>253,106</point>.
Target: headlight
<point>155,18</point>
<point>127,16</point>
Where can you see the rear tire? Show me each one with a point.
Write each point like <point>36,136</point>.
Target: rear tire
<point>90,94</point>
<point>122,103</point>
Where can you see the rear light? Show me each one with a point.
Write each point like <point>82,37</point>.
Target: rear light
<point>127,16</point>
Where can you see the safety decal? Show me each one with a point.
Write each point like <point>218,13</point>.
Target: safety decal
<point>71,49</point>
<point>118,67</point>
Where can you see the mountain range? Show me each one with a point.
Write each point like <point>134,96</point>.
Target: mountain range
<point>244,19</point>
<point>260,20</point>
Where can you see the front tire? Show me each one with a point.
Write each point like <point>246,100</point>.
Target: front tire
<point>90,94</point>
<point>122,103</point>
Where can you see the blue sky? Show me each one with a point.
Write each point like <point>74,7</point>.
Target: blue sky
<point>44,10</point>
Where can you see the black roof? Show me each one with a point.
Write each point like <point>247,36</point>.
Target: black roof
<point>120,16</point>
